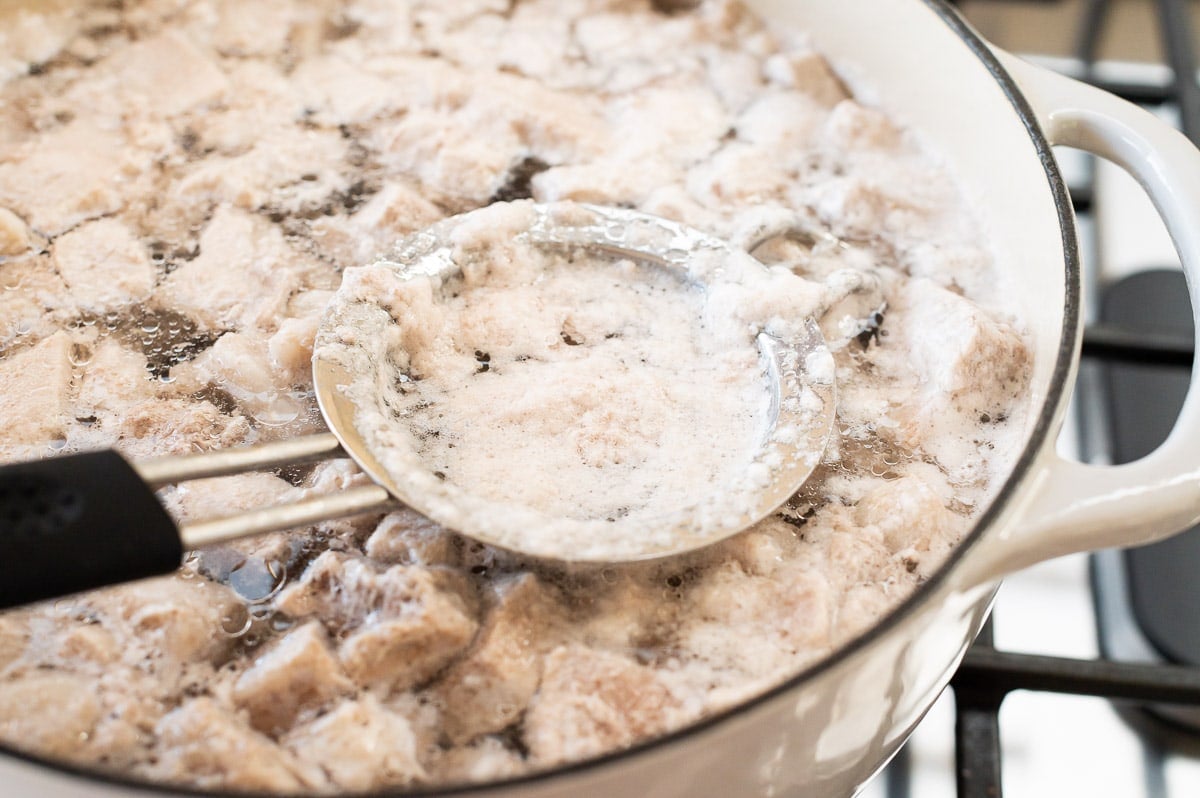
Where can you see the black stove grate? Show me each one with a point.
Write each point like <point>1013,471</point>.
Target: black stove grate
<point>988,675</point>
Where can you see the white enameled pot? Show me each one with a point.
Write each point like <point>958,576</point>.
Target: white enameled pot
<point>992,119</point>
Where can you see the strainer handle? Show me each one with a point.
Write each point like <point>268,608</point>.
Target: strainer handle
<point>88,520</point>
<point>1072,506</point>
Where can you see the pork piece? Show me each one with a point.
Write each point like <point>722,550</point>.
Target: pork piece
<point>406,536</point>
<point>395,211</point>
<point>253,566</point>
<point>67,175</point>
<point>14,234</point>
<point>489,688</point>
<point>791,610</point>
<point>297,676</point>
<point>240,365</point>
<point>913,521</point>
<point>171,619</point>
<point>261,29</point>
<point>291,348</point>
<point>405,623</point>
<point>264,100</point>
<point>738,173</point>
<point>407,651</point>
<point>594,701</point>
<point>783,121</point>
<point>103,265</point>
<point>166,74</point>
<point>360,746</point>
<point>178,426</point>
<point>209,498</point>
<point>454,168</point>
<point>207,746</point>
<point>88,645</point>
<point>241,278</point>
<point>48,712</point>
<point>344,94</point>
<point>13,638</point>
<point>29,287</point>
<point>291,345</point>
<point>291,169</point>
<point>852,126</point>
<point>114,380</point>
<point>33,35</point>
<point>975,362</point>
<point>808,72</point>
<point>486,759</point>
<point>35,388</point>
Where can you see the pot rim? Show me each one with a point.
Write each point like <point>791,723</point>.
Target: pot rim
<point>1056,392</point>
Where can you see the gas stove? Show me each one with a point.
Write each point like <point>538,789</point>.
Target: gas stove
<point>1086,681</point>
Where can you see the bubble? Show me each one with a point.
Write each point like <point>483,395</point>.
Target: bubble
<point>237,623</point>
<point>11,279</point>
<point>57,445</point>
<point>280,623</point>
<point>278,410</point>
<point>80,354</point>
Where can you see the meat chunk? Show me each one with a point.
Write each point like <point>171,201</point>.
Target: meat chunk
<point>14,636</point>
<point>406,536</point>
<point>210,498</point>
<point>408,623</point>
<point>14,234</point>
<point>976,362</point>
<point>177,426</point>
<point>403,652</point>
<point>178,620</point>
<point>115,379</point>
<point>35,387</point>
<point>241,277</point>
<point>486,759</point>
<point>594,701</point>
<point>343,93</point>
<point>807,72</point>
<point>490,687</point>
<point>203,744</point>
<point>103,265</point>
<point>297,676</point>
<point>167,73</point>
<point>360,745</point>
<point>88,645</point>
<point>240,365</point>
<point>854,126</point>
<point>291,348</point>
<point>912,519</point>
<point>32,35</point>
<point>294,170</point>
<point>48,712</point>
<point>67,175</point>
<point>394,211</point>
<point>259,29</point>
<point>33,287</point>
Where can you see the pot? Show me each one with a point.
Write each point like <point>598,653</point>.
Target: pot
<point>993,119</point>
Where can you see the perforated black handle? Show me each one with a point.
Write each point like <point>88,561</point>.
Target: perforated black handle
<point>78,522</point>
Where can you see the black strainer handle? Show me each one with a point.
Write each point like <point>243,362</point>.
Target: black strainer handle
<point>79,522</point>
<point>87,520</point>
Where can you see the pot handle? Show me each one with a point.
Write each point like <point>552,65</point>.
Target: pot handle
<point>1074,506</point>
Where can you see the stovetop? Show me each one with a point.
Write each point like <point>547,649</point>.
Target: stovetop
<point>1063,693</point>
